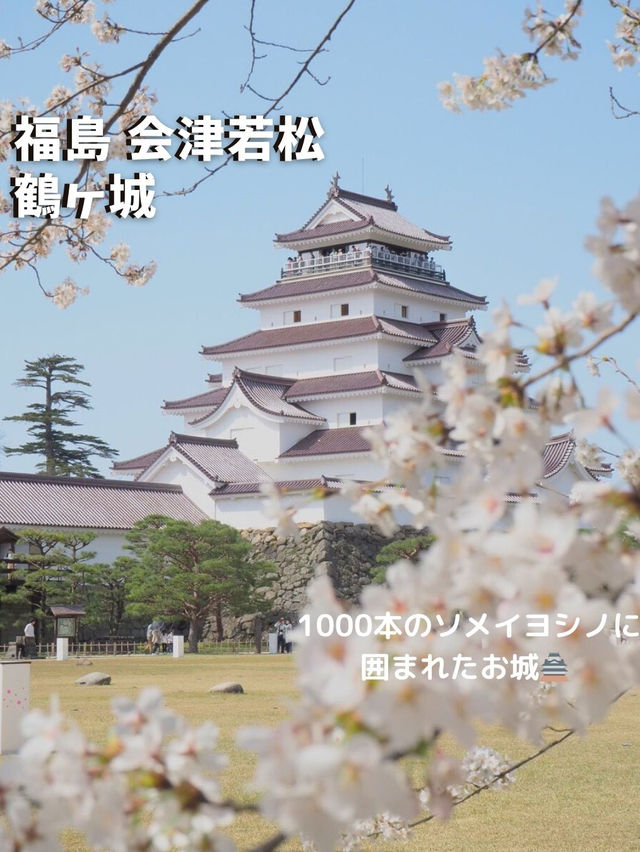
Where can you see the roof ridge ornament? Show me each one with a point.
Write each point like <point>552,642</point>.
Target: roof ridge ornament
<point>387,189</point>
<point>334,189</point>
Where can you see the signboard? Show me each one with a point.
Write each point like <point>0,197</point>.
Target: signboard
<point>66,627</point>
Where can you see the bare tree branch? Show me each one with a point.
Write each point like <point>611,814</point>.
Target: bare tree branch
<point>625,112</point>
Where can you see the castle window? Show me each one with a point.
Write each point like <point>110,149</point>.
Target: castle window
<point>401,311</point>
<point>347,418</point>
<point>339,311</point>
<point>297,316</point>
<point>443,317</point>
<point>342,363</point>
<point>291,316</point>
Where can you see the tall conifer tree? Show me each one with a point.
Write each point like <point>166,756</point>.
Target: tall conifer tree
<point>64,452</point>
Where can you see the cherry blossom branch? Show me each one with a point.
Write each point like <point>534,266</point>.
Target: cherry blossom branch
<point>562,362</point>
<point>35,43</point>
<point>500,776</point>
<point>557,27</point>
<point>152,58</point>
<point>609,359</point>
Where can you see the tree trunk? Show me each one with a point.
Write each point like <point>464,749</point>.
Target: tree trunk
<point>219,626</point>
<point>194,635</point>
<point>257,633</point>
<point>50,460</point>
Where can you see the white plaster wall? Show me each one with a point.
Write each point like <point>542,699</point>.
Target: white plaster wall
<point>248,512</point>
<point>367,408</point>
<point>385,304</point>
<point>338,464</point>
<point>379,302</point>
<point>107,545</point>
<point>309,361</point>
<point>257,438</point>
<point>317,309</point>
<point>178,472</point>
<point>391,354</point>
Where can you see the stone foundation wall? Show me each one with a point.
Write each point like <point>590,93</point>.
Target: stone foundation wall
<point>344,551</point>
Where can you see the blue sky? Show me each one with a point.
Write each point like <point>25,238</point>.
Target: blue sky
<point>518,191</point>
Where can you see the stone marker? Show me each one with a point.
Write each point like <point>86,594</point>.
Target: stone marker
<point>83,661</point>
<point>178,646</point>
<point>94,679</point>
<point>227,687</point>
<point>62,649</point>
<point>14,703</point>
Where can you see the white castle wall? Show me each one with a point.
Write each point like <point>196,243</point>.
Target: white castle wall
<point>107,545</point>
<point>383,303</point>
<point>177,471</point>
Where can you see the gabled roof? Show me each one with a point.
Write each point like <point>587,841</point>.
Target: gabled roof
<point>347,439</point>
<point>209,399</point>
<point>278,396</point>
<point>110,504</point>
<point>138,463</point>
<point>447,335</point>
<point>296,335</point>
<point>218,459</point>
<point>363,212</point>
<point>267,393</point>
<point>293,288</point>
<point>559,452</point>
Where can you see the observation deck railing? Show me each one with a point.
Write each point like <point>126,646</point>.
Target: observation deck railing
<point>369,257</point>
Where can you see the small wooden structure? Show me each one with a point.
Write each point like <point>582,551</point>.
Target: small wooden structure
<point>66,621</point>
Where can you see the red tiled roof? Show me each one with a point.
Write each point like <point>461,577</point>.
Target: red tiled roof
<point>295,335</point>
<point>430,288</point>
<point>291,288</point>
<point>326,283</point>
<point>284,485</point>
<point>448,335</point>
<point>268,394</point>
<point>208,399</point>
<point>369,212</point>
<point>346,226</point>
<point>32,500</point>
<point>345,382</point>
<point>139,462</point>
<point>557,453</point>
<point>347,439</point>
<point>279,395</point>
<point>219,459</point>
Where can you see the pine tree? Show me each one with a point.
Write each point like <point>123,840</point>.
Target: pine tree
<point>65,453</point>
<point>183,571</point>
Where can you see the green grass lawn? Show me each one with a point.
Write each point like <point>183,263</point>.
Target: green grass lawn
<point>583,795</point>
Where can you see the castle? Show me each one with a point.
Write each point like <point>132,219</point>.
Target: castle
<point>360,312</point>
